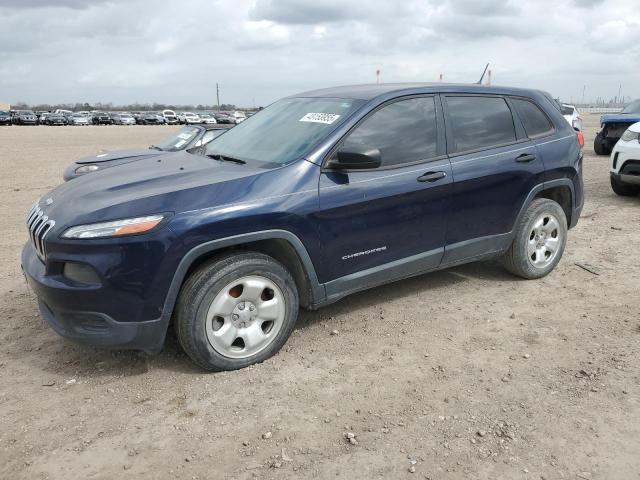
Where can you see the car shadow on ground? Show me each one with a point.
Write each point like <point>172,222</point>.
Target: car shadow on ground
<point>421,285</point>
<point>77,361</point>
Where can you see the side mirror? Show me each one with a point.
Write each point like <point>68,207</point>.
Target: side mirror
<point>356,157</point>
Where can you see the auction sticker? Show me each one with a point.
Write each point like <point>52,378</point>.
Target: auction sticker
<point>327,118</point>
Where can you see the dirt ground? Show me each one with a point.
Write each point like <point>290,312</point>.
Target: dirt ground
<point>462,374</point>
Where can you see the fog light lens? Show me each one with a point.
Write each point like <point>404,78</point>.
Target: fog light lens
<point>87,169</point>
<point>81,273</point>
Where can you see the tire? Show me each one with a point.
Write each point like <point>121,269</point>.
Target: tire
<point>213,314</point>
<point>599,147</point>
<point>542,229</point>
<point>624,189</point>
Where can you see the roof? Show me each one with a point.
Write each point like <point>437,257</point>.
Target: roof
<point>370,91</point>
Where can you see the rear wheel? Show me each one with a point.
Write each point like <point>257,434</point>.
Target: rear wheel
<point>236,311</point>
<point>599,146</point>
<point>540,238</point>
<point>624,189</point>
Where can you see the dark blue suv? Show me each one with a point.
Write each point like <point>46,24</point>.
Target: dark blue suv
<point>318,196</point>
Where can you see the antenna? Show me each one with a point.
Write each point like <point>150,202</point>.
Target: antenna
<point>479,82</point>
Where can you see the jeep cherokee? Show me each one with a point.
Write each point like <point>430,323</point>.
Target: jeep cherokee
<point>318,196</point>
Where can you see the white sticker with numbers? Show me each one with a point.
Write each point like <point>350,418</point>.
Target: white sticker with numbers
<point>327,118</point>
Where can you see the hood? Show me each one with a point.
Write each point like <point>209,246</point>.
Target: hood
<point>635,127</point>
<point>176,182</point>
<point>620,118</point>
<point>120,154</point>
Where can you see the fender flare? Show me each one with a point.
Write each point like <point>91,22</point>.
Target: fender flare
<point>317,290</point>
<point>541,187</point>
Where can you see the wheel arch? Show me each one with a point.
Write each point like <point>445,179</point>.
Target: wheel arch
<point>282,245</point>
<point>560,190</point>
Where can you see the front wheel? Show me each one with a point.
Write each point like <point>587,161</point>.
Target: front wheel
<point>599,146</point>
<point>235,311</point>
<point>540,238</point>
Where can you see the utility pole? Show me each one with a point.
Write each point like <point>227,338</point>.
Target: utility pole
<point>218,95</point>
<point>584,87</point>
<point>619,91</point>
<point>378,76</point>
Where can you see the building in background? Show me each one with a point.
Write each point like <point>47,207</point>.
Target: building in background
<point>5,106</point>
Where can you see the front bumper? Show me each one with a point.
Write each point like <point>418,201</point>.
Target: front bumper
<point>69,309</point>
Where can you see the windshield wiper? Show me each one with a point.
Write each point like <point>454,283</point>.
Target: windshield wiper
<point>155,147</point>
<point>224,158</point>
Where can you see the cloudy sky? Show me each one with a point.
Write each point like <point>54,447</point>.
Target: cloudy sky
<point>170,51</point>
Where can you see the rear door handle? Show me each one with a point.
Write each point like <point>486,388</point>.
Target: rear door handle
<point>431,176</point>
<point>525,158</point>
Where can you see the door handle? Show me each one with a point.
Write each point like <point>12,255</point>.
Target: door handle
<point>431,176</point>
<point>525,158</point>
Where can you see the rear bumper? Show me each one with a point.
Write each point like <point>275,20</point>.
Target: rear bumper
<point>67,309</point>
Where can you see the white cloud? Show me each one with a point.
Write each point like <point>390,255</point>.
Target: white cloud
<point>260,50</point>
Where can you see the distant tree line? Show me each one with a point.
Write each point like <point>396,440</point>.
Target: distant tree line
<point>133,107</point>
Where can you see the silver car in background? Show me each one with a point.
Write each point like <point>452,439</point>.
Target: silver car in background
<point>123,119</point>
<point>78,119</point>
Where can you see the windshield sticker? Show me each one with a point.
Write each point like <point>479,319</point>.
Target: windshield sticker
<point>180,143</point>
<point>184,136</point>
<point>327,118</point>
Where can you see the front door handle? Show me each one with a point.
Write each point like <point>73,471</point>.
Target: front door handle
<point>431,176</point>
<point>525,158</point>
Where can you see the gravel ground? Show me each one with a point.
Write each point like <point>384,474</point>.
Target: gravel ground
<point>464,373</point>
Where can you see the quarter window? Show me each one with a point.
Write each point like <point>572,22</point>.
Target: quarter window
<point>479,122</point>
<point>403,131</point>
<point>534,121</point>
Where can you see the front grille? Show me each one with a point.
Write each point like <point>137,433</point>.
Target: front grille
<point>39,226</point>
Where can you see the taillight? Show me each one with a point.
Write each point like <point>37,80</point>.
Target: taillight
<point>580,138</point>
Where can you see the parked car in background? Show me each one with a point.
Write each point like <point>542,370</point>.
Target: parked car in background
<point>42,117</point>
<point>207,118</point>
<point>613,126</point>
<point>170,117</point>
<point>571,114</point>
<point>24,117</point>
<point>223,117</point>
<point>152,118</point>
<point>187,138</point>
<point>238,117</point>
<point>123,119</point>
<point>78,119</point>
<point>625,162</point>
<point>190,118</point>
<point>101,118</point>
<point>5,117</point>
<point>56,119</point>
<point>39,116</point>
<point>63,112</point>
<point>319,196</point>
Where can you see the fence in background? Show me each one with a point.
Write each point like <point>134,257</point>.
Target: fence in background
<point>599,110</point>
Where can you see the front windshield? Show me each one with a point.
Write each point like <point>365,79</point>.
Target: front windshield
<point>179,140</point>
<point>284,131</point>
<point>633,107</point>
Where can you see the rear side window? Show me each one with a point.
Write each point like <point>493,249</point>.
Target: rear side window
<point>403,131</point>
<point>479,122</point>
<point>535,122</point>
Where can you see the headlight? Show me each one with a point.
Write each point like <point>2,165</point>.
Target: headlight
<point>116,228</point>
<point>628,135</point>
<point>87,168</point>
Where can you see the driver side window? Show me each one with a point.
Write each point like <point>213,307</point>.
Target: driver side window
<point>403,131</point>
